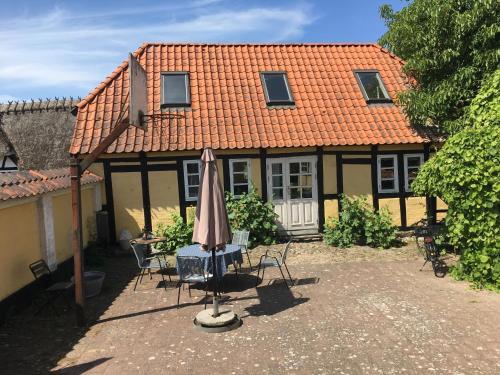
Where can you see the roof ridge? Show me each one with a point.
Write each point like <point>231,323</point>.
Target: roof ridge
<point>262,44</point>
<point>112,76</point>
<point>39,105</point>
<point>385,50</point>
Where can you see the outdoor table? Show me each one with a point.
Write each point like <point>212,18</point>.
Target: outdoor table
<point>151,241</point>
<point>231,255</point>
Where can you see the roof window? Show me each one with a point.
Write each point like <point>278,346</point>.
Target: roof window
<point>372,87</point>
<point>276,88</point>
<point>175,89</point>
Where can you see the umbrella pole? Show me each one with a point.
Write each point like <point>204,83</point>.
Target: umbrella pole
<point>215,275</point>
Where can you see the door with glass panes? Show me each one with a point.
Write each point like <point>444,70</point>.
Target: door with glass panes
<point>291,186</point>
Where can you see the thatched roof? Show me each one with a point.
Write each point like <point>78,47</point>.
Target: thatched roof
<point>37,132</point>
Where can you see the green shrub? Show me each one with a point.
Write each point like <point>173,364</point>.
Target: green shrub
<point>465,173</point>
<point>360,224</point>
<point>177,234</point>
<point>379,229</point>
<point>249,212</point>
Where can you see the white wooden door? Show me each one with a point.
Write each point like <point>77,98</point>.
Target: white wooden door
<point>292,187</point>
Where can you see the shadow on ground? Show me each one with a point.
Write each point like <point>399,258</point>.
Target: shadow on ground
<point>32,344</point>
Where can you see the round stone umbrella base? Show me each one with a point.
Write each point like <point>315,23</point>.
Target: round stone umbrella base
<point>226,321</point>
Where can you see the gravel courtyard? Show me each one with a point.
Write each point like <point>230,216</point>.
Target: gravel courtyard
<point>357,311</point>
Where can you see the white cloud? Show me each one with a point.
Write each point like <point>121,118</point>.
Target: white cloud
<point>59,48</point>
<point>5,98</point>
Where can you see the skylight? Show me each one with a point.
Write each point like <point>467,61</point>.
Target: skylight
<point>276,88</point>
<point>175,87</point>
<point>372,87</point>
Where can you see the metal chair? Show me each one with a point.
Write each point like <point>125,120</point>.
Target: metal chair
<point>240,238</point>
<point>52,290</point>
<point>148,263</point>
<point>191,271</point>
<point>275,258</point>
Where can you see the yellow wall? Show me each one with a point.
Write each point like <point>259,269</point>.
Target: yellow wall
<point>20,234</point>
<point>415,210</point>
<point>329,174</point>
<point>164,196</point>
<point>256,180</point>
<point>357,180</point>
<point>21,228</point>
<point>331,208</point>
<point>127,199</point>
<point>440,205</point>
<point>393,205</point>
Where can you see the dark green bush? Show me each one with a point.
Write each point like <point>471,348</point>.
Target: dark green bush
<point>465,173</point>
<point>249,212</point>
<point>178,234</point>
<point>359,224</point>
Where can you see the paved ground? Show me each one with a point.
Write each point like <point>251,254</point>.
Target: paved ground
<point>352,317</point>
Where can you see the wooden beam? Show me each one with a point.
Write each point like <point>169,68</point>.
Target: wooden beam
<point>263,174</point>
<point>76,240</point>
<point>101,147</point>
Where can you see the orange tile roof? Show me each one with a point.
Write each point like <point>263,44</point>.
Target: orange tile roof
<point>22,184</point>
<point>229,111</point>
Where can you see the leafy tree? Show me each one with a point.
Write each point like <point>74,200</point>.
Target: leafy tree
<point>466,174</point>
<point>449,46</point>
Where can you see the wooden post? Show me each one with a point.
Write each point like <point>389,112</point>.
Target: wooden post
<point>76,242</point>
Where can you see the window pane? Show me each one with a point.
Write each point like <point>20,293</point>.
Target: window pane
<point>277,168</point>
<point>192,167</point>
<point>276,87</point>
<point>294,180</point>
<point>240,189</point>
<point>387,162</point>
<point>305,167</point>
<point>294,167</point>
<point>412,173</point>
<point>387,173</point>
<point>373,85</point>
<point>307,193</point>
<point>413,161</point>
<point>174,88</point>
<point>240,178</point>
<point>240,166</point>
<point>295,193</point>
<point>277,194</point>
<point>388,185</point>
<point>193,179</point>
<point>277,181</point>
<point>193,191</point>
<point>306,180</point>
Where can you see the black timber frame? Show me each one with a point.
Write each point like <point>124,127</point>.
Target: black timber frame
<point>145,164</point>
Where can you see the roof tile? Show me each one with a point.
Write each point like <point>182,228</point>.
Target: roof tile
<point>228,107</point>
<point>22,184</point>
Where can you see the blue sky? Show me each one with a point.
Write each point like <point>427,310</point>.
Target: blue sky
<point>65,48</point>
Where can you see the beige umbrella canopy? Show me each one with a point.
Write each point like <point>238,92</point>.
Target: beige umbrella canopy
<point>211,226</point>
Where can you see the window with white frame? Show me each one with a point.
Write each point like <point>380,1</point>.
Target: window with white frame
<point>412,165</point>
<point>239,172</point>
<point>192,170</point>
<point>387,173</point>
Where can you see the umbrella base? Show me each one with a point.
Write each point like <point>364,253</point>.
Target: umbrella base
<point>226,321</point>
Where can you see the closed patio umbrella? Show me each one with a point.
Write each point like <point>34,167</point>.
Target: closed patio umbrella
<point>211,226</point>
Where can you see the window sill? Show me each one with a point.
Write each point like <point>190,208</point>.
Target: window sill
<point>379,101</point>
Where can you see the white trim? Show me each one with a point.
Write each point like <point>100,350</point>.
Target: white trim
<point>47,235</point>
<point>97,198</point>
<point>406,157</point>
<point>249,174</point>
<point>394,157</point>
<point>186,185</point>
